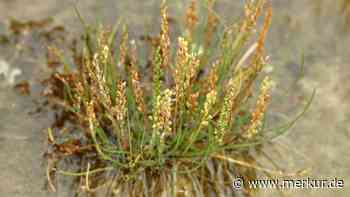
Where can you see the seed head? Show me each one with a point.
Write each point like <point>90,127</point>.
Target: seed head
<point>164,37</point>
<point>162,113</point>
<point>260,109</point>
<point>137,89</point>
<point>102,89</point>
<point>225,115</point>
<point>120,108</point>
<point>211,23</point>
<point>191,18</point>
<point>182,59</point>
<point>123,47</point>
<point>208,105</point>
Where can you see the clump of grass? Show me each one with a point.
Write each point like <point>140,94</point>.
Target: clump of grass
<point>180,130</point>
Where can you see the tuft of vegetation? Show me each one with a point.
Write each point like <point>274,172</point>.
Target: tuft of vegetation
<point>184,128</point>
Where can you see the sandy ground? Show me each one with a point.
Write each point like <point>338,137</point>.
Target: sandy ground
<point>320,140</point>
